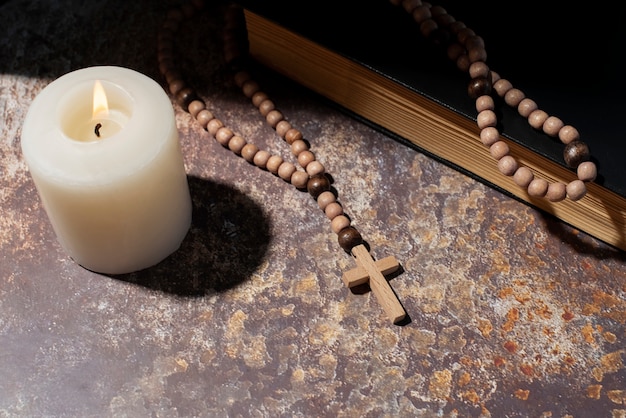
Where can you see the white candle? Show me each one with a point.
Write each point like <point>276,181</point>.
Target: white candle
<point>118,202</point>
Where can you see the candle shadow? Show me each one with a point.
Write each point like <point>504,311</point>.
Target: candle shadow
<point>227,241</point>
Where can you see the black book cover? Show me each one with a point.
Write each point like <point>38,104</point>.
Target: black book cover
<point>570,61</point>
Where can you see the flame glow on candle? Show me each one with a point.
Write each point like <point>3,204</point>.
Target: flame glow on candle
<point>100,103</point>
<point>104,121</point>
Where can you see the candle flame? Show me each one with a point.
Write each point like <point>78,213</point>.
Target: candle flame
<point>100,103</point>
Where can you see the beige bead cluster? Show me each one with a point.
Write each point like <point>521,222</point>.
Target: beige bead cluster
<point>311,177</point>
<point>467,51</point>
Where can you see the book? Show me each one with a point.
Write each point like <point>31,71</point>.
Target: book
<point>371,61</point>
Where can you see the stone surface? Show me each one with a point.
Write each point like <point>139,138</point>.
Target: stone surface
<point>512,313</point>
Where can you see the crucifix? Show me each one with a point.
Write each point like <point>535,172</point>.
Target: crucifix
<point>369,270</point>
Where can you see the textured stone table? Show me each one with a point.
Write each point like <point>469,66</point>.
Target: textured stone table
<point>512,313</point>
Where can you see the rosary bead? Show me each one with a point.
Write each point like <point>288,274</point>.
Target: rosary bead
<point>171,76</point>
<point>507,165</point>
<point>495,77</point>
<point>165,49</point>
<point>523,177</point>
<point>514,97</point>
<point>315,168</point>
<point>250,87</point>
<point>223,135</point>
<point>232,52</point>
<point>437,11</point>
<point>325,198</point>
<point>568,134</point>
<point>552,126</point>
<point>499,149</point>
<point>526,107</point>
<point>441,16</point>
<point>165,46</point>
<point>576,190</point>
<point>440,36</point>
<point>166,68</point>
<point>273,117</point>
<point>489,136</point>
<point>317,185</point>
<point>410,5</point>
<point>473,42</point>
<point>249,151</point>
<point>299,179</point>
<point>236,144</point>
<point>349,238</point>
<point>556,192</point>
<point>273,163</point>
<point>485,102</point>
<point>305,158</point>
<point>214,125</point>
<point>456,26</point>
<point>421,13</point>
<point>266,107</point>
<point>339,223</point>
<point>479,69</point>
<point>176,86</point>
<point>538,187</point>
<point>195,107</point>
<point>204,117</point>
<point>537,118</point>
<point>479,86</point>
<point>502,86</point>
<point>293,135</point>
<point>486,119</point>
<point>185,96</point>
<point>260,158</point>
<point>428,27</point>
<point>463,34</point>
<point>463,62</point>
<point>477,54</point>
<point>234,57</point>
<point>282,127</point>
<point>575,153</point>
<point>298,146</point>
<point>454,51</point>
<point>258,98</point>
<point>241,77</point>
<point>587,171</point>
<point>333,210</point>
<point>286,170</point>
<point>444,19</point>
<point>166,61</point>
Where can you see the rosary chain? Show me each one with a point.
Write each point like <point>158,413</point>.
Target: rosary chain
<point>467,51</point>
<point>312,178</point>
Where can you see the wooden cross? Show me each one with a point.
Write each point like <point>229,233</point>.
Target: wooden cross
<point>374,271</point>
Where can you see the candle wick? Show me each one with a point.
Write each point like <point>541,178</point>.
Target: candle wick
<point>97,129</point>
